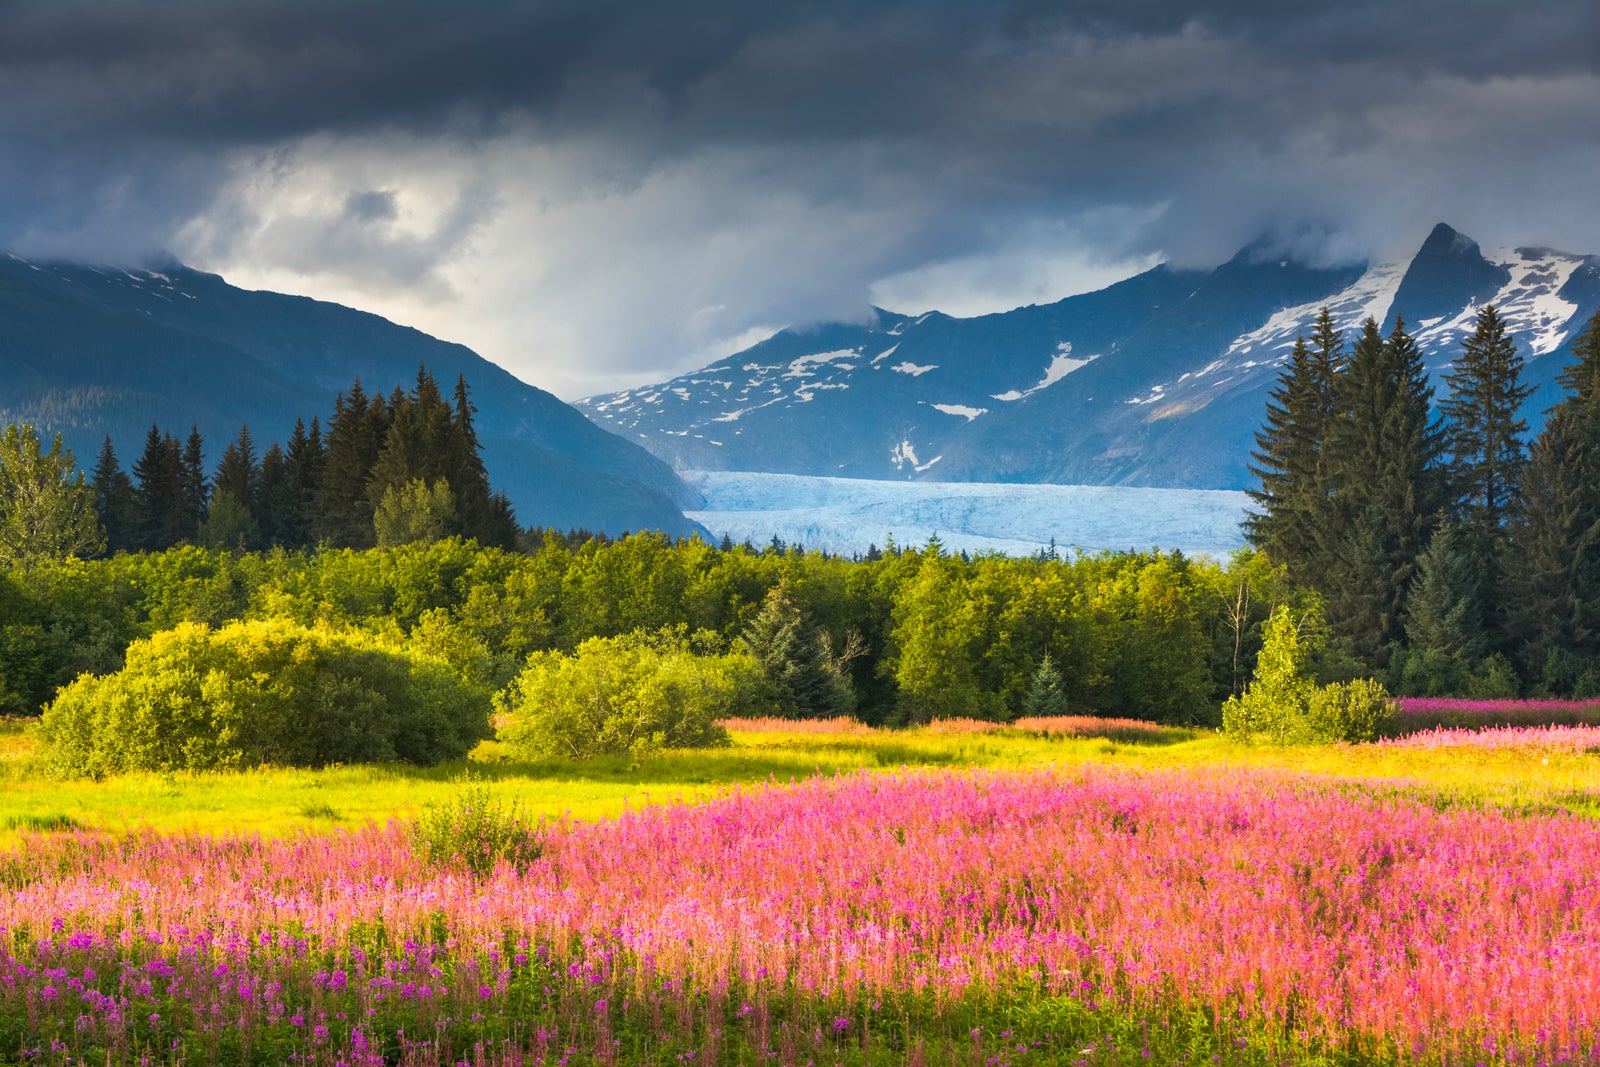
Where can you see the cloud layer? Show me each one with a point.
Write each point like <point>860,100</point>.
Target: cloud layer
<point>596,194</point>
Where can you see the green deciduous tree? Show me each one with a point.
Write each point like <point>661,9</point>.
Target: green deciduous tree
<point>194,698</point>
<point>414,513</point>
<point>46,506</point>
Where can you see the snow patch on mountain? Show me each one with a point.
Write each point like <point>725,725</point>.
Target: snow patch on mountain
<point>913,369</point>
<point>1062,363</point>
<point>850,515</point>
<point>969,413</point>
<point>804,367</point>
<point>1529,302</point>
<point>1370,296</point>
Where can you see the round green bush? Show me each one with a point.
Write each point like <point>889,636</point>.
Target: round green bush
<point>628,694</point>
<point>253,693</point>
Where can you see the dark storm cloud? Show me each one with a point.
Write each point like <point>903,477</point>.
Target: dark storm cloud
<point>919,131</point>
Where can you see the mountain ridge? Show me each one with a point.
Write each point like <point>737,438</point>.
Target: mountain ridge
<point>1157,380</point>
<point>96,350</point>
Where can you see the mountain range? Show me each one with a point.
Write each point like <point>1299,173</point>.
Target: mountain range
<point>1159,380</point>
<point>90,351</point>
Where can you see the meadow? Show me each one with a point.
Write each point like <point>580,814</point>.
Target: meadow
<point>825,893</point>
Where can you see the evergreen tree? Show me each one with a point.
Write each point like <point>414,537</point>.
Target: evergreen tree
<point>478,517</point>
<point>114,500</point>
<point>1553,581</point>
<point>355,437</point>
<point>793,656</point>
<point>1045,696</point>
<point>1483,427</point>
<point>418,443</point>
<point>1289,455</point>
<point>239,473</point>
<point>1385,454</point>
<point>277,504</point>
<point>1444,624</point>
<point>229,525</point>
<point>196,490</point>
<point>162,503</point>
<point>1487,456</point>
<point>304,459</point>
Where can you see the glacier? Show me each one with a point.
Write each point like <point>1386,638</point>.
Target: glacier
<point>849,515</point>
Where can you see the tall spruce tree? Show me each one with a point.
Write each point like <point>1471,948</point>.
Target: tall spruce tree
<point>354,439</point>
<point>477,512</point>
<point>196,490</point>
<point>1289,455</point>
<point>1386,452</point>
<point>232,521</point>
<point>277,505</point>
<point>239,472</point>
<point>1553,580</point>
<point>161,513</point>
<point>114,500</point>
<point>1486,458</point>
<point>305,458</point>
<point>418,444</point>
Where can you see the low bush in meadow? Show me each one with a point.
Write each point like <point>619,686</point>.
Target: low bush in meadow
<point>475,831</point>
<point>1285,706</point>
<point>253,693</point>
<point>629,694</point>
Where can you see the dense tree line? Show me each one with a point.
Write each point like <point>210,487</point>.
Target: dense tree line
<point>396,469</point>
<point>1453,557</point>
<point>907,636</point>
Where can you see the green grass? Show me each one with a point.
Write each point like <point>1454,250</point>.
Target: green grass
<point>279,800</point>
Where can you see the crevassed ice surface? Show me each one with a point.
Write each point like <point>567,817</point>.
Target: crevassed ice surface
<point>848,515</point>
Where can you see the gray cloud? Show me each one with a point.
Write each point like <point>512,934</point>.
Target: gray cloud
<point>601,192</point>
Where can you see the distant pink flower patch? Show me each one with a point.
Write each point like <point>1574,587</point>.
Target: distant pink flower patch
<point>1094,726</point>
<point>964,726</point>
<point>1426,713</point>
<point>1564,738</point>
<point>772,724</point>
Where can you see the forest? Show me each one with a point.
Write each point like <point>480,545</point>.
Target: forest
<point>1452,556</point>
<point>1431,551</point>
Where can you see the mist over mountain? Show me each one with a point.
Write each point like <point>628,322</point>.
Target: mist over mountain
<point>1159,380</point>
<point>93,350</point>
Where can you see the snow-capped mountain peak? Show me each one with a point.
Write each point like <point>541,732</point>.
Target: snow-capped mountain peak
<point>1158,380</point>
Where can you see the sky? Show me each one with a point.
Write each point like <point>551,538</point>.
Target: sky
<point>597,194</point>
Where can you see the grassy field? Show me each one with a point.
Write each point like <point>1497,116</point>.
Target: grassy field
<point>278,801</point>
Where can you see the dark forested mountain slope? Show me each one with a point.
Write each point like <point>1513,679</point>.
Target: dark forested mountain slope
<point>96,350</point>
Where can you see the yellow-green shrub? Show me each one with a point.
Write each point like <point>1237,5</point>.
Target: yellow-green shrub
<point>1284,706</point>
<point>625,694</point>
<point>254,693</point>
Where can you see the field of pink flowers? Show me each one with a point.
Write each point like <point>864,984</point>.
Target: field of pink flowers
<point>1427,713</point>
<point>979,917</point>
